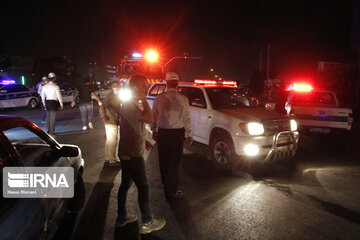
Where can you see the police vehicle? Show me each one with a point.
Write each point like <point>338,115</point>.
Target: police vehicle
<point>16,95</point>
<point>234,130</point>
<point>67,92</point>
<point>319,113</point>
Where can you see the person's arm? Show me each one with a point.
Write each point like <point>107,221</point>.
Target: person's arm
<point>146,115</point>
<point>96,98</point>
<point>102,111</point>
<point>39,89</point>
<point>155,118</point>
<point>74,99</point>
<point>59,97</point>
<point>187,121</point>
<point>43,97</point>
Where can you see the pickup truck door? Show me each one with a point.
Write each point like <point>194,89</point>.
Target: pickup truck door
<point>199,113</point>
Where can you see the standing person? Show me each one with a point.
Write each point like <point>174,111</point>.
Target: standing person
<point>109,113</point>
<point>132,146</point>
<point>52,101</point>
<point>85,103</point>
<point>171,123</point>
<point>39,87</point>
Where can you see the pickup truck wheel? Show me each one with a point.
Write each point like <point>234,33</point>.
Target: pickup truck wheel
<point>222,152</point>
<point>32,103</point>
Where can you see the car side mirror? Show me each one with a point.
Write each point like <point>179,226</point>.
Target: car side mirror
<point>198,103</point>
<point>69,151</point>
<point>255,101</point>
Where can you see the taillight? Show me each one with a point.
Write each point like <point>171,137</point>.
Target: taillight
<point>350,119</point>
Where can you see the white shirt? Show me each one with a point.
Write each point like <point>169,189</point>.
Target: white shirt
<point>51,91</point>
<point>40,86</point>
<point>171,111</point>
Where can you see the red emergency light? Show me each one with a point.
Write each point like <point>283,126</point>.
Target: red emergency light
<point>229,83</point>
<point>300,87</point>
<point>201,81</point>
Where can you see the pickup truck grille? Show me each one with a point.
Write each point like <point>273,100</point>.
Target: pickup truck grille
<point>273,127</point>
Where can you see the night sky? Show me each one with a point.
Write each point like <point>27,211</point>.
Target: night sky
<point>230,35</point>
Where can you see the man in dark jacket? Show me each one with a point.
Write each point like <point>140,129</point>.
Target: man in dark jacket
<point>86,91</point>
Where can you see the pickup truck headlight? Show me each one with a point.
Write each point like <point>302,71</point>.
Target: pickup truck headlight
<point>252,128</point>
<point>293,125</point>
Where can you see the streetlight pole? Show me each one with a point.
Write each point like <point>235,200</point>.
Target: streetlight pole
<point>177,57</point>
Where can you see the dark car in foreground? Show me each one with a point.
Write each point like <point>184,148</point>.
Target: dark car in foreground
<point>24,144</point>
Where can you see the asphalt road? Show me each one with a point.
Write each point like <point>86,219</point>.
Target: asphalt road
<point>316,197</point>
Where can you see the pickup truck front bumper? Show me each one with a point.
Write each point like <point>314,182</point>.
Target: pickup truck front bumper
<point>275,147</point>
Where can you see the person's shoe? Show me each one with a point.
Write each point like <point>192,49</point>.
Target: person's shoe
<point>91,126</point>
<point>153,225</point>
<point>129,219</point>
<point>84,128</point>
<point>115,164</point>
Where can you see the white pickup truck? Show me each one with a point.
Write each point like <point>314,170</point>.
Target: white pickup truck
<point>235,131</point>
<point>318,112</point>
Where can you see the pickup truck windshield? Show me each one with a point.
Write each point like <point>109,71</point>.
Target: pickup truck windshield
<point>229,98</point>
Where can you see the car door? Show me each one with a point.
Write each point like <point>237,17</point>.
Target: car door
<point>198,112</point>
<point>14,96</point>
<point>154,91</point>
<point>36,150</point>
<point>20,218</point>
<point>65,94</point>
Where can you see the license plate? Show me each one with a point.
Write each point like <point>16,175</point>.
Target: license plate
<point>320,130</point>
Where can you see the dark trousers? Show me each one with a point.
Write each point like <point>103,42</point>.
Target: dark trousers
<point>52,107</point>
<point>170,147</point>
<point>43,113</point>
<point>134,170</point>
<point>87,112</point>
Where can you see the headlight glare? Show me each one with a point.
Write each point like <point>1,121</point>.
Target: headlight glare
<point>125,95</point>
<point>251,150</point>
<point>293,125</point>
<point>255,128</point>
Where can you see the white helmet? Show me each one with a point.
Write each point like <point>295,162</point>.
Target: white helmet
<point>44,78</point>
<point>51,75</point>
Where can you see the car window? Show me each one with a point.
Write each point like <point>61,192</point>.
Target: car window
<point>3,156</point>
<point>314,98</point>
<point>71,88</point>
<point>33,150</point>
<point>195,96</point>
<point>157,89</point>
<point>15,88</point>
<point>64,88</point>
<point>229,98</point>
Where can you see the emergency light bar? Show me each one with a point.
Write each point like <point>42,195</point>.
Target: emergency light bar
<point>228,82</point>
<point>200,81</point>
<point>300,87</point>
<point>7,82</point>
<point>214,82</point>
